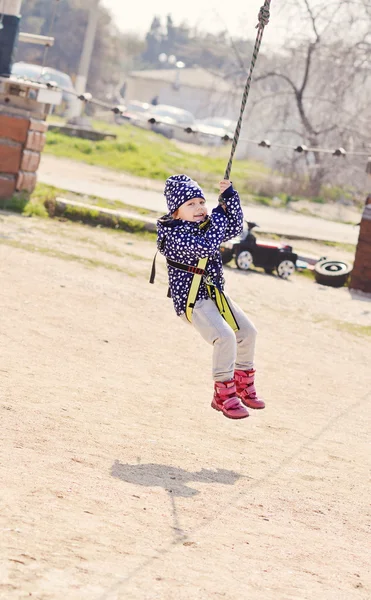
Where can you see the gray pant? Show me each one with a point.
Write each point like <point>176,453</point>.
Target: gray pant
<point>232,350</point>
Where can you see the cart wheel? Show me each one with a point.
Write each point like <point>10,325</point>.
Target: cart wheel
<point>285,269</point>
<point>333,273</point>
<point>244,260</point>
<point>227,256</point>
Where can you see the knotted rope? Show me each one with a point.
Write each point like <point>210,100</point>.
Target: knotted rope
<point>263,20</point>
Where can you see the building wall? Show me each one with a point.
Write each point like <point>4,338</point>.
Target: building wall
<point>22,140</point>
<point>202,103</point>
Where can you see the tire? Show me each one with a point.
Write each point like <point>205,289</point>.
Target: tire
<point>227,256</point>
<point>333,273</point>
<point>244,260</point>
<point>285,269</point>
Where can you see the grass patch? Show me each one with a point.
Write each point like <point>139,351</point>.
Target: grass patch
<point>45,192</point>
<point>359,330</point>
<point>143,153</point>
<point>42,203</point>
<point>305,273</point>
<point>263,200</point>
<point>112,204</point>
<point>95,217</point>
<point>146,154</point>
<point>352,328</point>
<point>17,203</point>
<point>346,327</point>
<point>30,204</point>
<point>341,245</point>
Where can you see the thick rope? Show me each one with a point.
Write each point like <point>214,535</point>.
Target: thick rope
<point>263,19</point>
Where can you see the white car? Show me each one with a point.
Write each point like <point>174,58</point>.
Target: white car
<point>214,131</point>
<point>33,72</point>
<point>134,112</point>
<point>172,122</point>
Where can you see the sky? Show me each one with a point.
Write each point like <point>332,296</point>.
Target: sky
<point>239,17</point>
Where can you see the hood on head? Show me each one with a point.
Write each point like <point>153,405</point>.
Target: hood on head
<point>180,189</point>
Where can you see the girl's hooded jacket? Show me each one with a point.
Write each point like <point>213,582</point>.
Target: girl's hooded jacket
<point>185,242</point>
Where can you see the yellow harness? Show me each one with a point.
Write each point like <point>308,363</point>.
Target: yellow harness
<point>214,293</point>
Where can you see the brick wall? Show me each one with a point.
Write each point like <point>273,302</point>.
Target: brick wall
<point>21,143</point>
<point>361,274</point>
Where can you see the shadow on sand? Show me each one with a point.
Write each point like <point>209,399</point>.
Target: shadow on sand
<point>172,479</point>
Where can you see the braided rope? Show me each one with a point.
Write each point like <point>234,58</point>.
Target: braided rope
<point>263,20</point>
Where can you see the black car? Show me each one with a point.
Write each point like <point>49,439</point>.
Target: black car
<point>271,256</point>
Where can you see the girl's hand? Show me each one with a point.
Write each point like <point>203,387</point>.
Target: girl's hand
<point>224,185</point>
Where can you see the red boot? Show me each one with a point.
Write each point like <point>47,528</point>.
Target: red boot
<point>226,400</point>
<point>246,389</point>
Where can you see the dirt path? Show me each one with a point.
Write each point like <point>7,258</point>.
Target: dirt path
<point>82,178</point>
<point>119,482</point>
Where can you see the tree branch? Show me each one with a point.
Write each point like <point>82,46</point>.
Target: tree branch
<point>281,75</point>
<point>313,19</point>
<point>310,51</point>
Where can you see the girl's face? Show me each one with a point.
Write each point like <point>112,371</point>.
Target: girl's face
<point>192,210</point>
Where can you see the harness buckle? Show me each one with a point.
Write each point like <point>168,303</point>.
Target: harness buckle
<point>196,270</point>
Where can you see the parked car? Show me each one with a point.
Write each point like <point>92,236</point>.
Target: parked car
<point>134,112</point>
<point>214,131</point>
<point>271,256</point>
<point>171,122</point>
<point>46,75</point>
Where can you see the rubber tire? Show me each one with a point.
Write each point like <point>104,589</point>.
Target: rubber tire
<point>333,273</point>
<point>244,252</point>
<point>285,261</point>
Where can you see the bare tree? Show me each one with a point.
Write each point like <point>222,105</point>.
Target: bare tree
<point>319,85</point>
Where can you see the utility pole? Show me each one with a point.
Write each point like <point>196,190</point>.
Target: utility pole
<point>84,65</point>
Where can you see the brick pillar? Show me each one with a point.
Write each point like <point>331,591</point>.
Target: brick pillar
<point>21,143</point>
<point>361,274</point>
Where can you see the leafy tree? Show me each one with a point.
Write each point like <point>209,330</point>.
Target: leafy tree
<point>154,39</point>
<point>215,52</point>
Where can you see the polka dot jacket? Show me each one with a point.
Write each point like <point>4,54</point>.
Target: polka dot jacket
<point>185,242</point>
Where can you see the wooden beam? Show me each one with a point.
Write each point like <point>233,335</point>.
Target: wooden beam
<point>31,38</point>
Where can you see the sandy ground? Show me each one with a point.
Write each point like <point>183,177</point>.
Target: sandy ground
<point>118,479</point>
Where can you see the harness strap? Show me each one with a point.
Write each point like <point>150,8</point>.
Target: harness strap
<point>153,270</point>
<point>199,272</point>
<point>187,268</point>
<point>195,286</point>
<point>222,305</point>
<point>213,291</point>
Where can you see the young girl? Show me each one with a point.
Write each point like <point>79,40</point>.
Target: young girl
<point>190,240</point>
